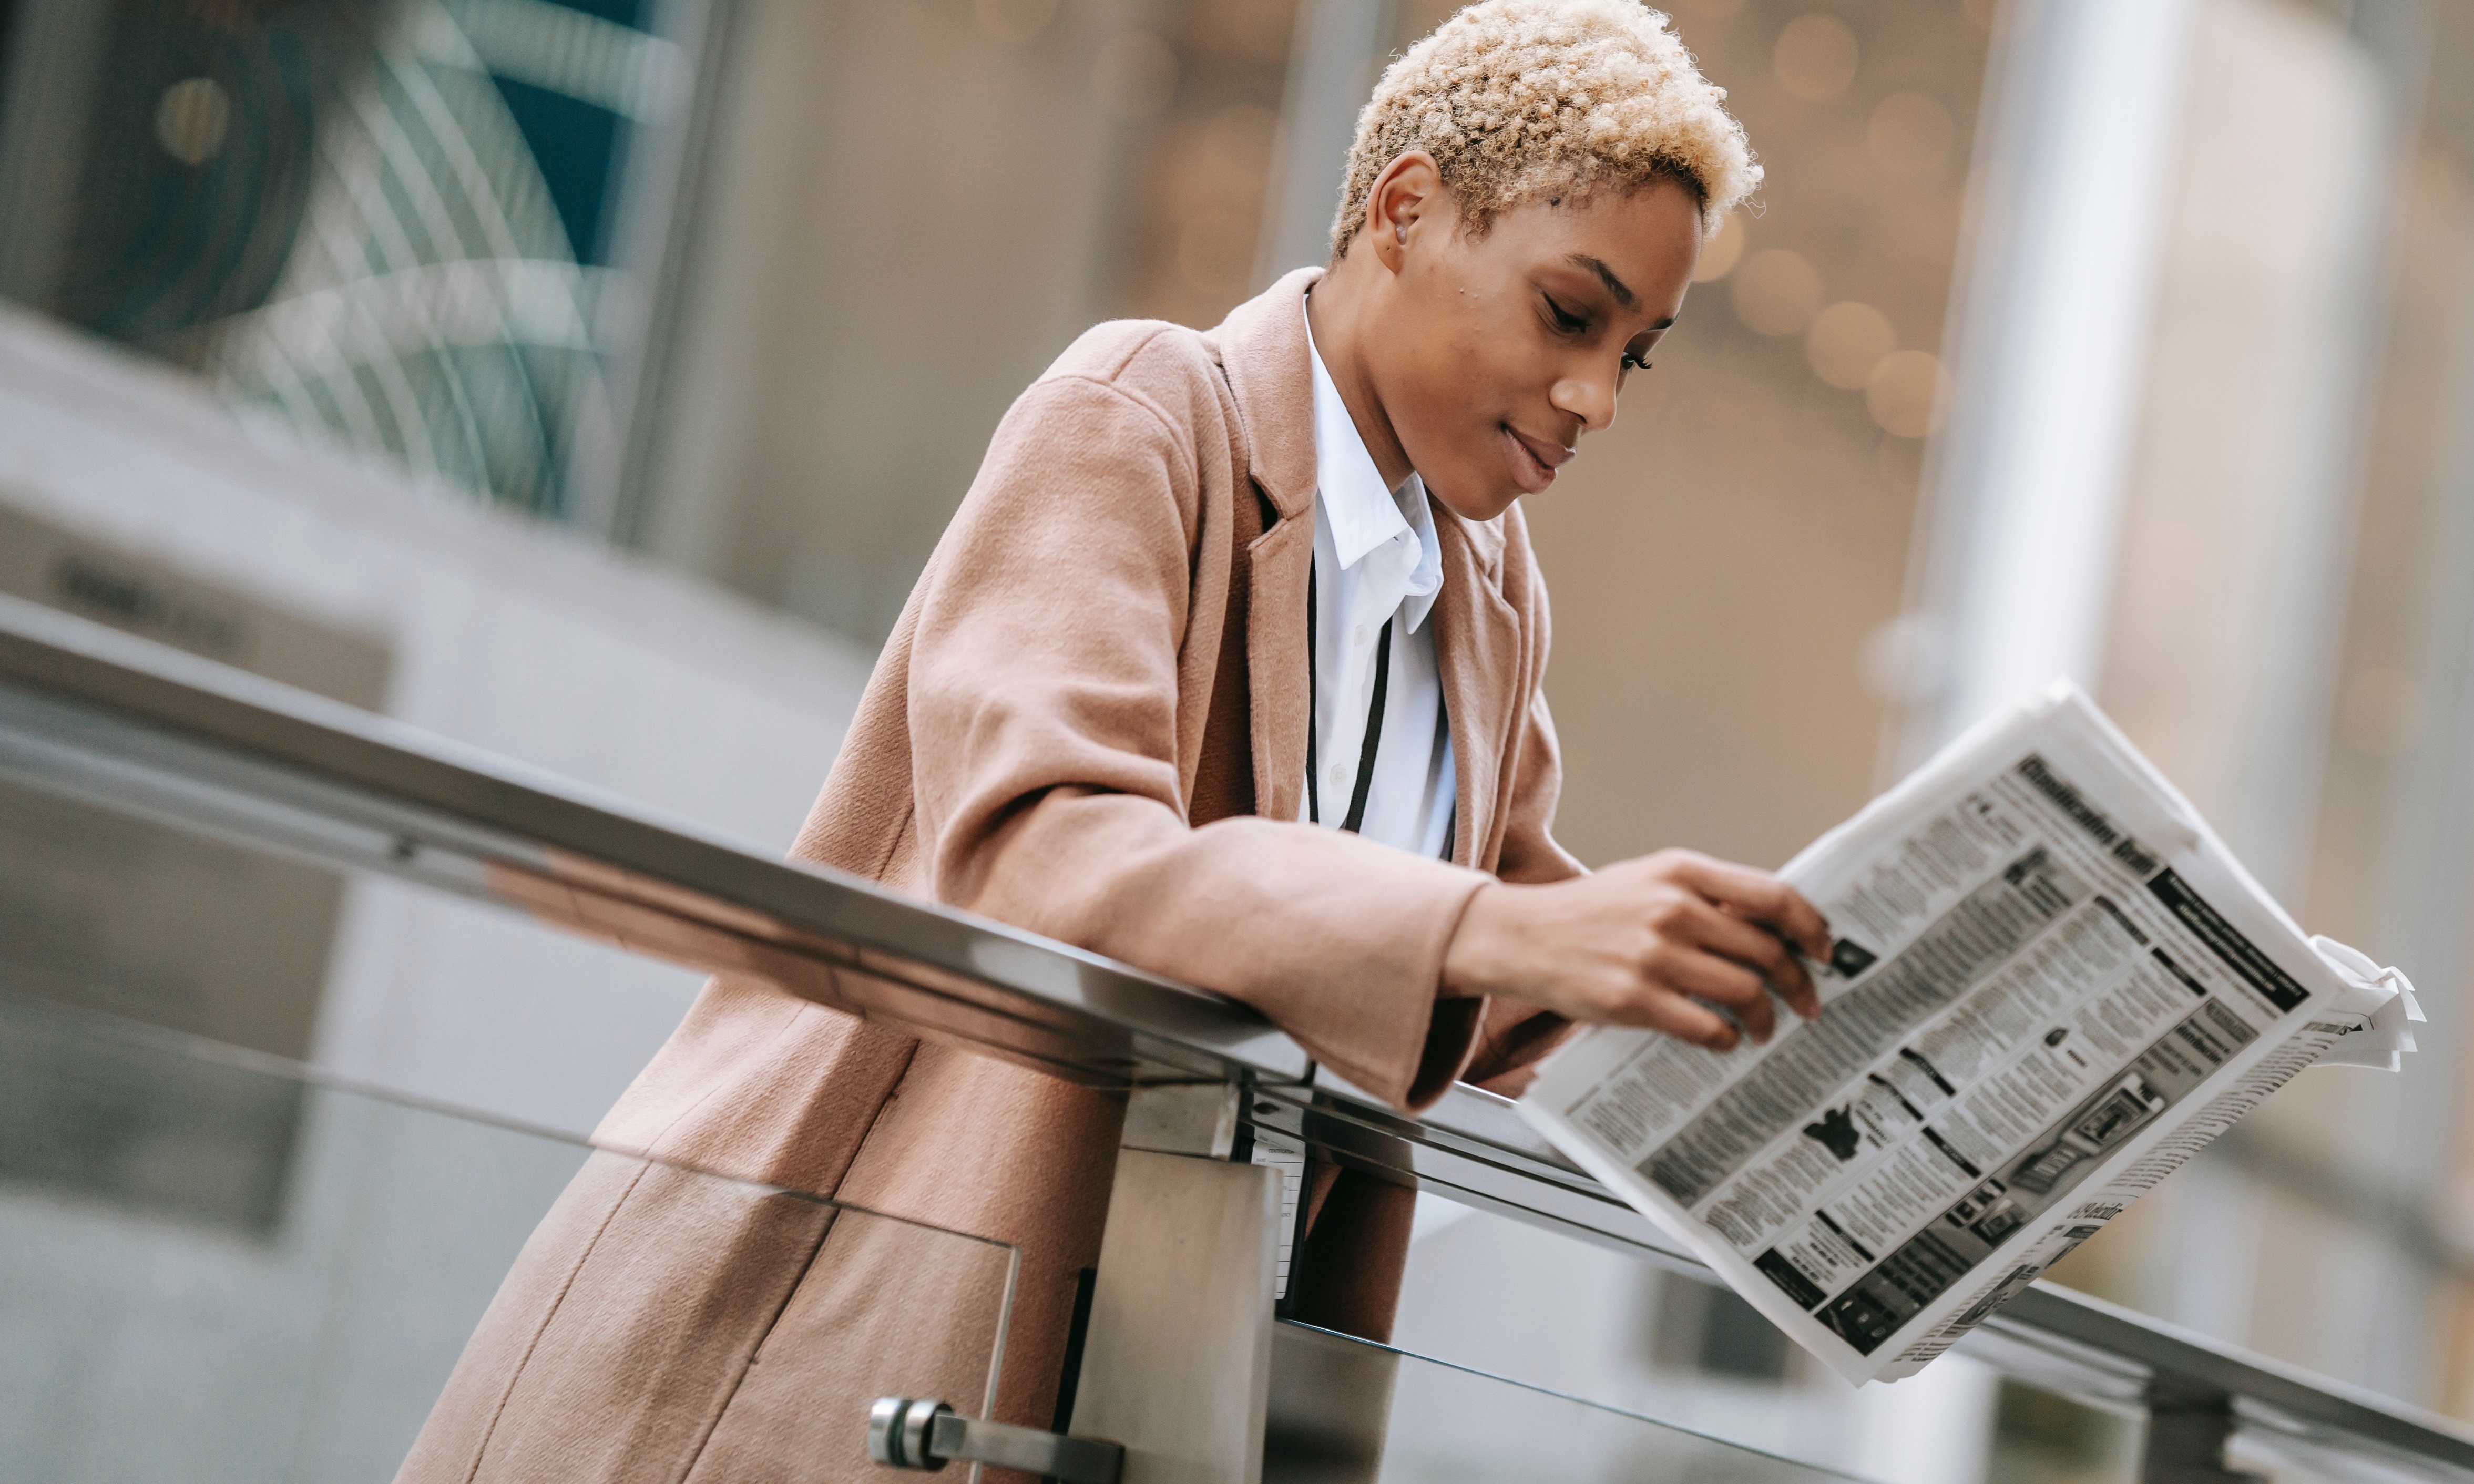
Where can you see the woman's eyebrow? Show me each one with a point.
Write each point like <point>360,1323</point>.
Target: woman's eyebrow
<point>1606,275</point>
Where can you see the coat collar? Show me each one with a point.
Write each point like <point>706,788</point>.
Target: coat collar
<point>1262,346</point>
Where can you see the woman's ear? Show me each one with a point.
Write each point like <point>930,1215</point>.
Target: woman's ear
<point>1407,194</point>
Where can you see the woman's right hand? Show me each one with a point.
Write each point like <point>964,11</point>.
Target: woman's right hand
<point>1638,943</point>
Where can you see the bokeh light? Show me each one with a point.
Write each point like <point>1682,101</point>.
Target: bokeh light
<point>192,120</point>
<point>1815,57</point>
<point>1907,393</point>
<point>1776,292</point>
<point>1847,342</point>
<point>1721,253</point>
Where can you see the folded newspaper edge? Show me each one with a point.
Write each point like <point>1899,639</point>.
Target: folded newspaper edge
<point>2051,985</point>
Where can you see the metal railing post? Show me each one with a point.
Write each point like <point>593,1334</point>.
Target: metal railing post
<point>2187,1428</point>
<point>1177,1363</point>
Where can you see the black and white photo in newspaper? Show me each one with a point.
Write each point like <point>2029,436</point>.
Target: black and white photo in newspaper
<point>2050,984</point>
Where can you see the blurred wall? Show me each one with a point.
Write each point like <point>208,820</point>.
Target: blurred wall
<point>908,219</point>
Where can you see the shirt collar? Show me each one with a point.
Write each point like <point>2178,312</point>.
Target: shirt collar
<point>1365,515</point>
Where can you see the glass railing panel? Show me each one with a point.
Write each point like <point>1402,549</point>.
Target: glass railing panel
<point>1510,1297</point>
<point>2268,1444</point>
<point>187,1295</point>
<point>215,1265</point>
<point>1348,1412</point>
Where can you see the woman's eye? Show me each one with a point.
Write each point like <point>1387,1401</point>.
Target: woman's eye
<point>1565,319</point>
<point>1631,362</point>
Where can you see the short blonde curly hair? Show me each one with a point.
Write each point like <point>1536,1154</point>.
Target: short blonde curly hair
<point>1518,98</point>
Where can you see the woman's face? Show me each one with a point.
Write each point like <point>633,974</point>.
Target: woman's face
<point>1492,354</point>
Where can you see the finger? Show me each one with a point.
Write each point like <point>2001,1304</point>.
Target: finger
<point>1720,981</point>
<point>1656,1009</point>
<point>1758,949</point>
<point>1802,994</point>
<point>1808,927</point>
<point>1762,897</point>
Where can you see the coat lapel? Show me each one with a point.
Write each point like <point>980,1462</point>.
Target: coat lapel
<point>1477,654</point>
<point>1282,563</point>
<point>1262,348</point>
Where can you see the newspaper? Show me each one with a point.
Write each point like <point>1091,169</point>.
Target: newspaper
<point>2050,984</point>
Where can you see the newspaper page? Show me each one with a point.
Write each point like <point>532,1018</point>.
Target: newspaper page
<point>2050,986</point>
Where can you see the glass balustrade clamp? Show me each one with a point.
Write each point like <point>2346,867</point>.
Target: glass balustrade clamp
<point>119,722</point>
<point>925,1436</point>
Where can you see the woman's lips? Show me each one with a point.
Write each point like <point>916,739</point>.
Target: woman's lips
<point>1533,464</point>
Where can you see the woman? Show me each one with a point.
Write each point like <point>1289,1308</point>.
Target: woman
<point>1229,666</point>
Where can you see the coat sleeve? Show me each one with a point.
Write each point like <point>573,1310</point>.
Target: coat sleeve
<point>1044,707</point>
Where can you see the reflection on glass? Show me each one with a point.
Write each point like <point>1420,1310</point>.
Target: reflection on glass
<point>1345,1410</point>
<point>176,1310</point>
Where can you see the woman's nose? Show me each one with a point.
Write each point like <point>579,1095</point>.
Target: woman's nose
<point>1590,399</point>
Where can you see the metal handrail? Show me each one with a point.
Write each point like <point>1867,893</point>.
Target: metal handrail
<point>140,728</point>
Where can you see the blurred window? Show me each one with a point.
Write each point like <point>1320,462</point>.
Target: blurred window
<point>430,230</point>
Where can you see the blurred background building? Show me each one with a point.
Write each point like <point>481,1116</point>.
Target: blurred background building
<point>589,381</point>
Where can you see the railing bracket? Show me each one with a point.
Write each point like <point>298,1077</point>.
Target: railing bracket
<point>925,1436</point>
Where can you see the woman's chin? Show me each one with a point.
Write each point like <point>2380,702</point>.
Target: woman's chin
<point>1472,500</point>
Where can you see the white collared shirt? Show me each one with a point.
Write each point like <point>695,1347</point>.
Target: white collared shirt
<point>1375,558</point>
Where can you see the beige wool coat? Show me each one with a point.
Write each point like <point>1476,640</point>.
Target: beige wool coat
<point>1090,722</point>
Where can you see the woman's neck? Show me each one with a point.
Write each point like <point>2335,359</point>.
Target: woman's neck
<point>1339,309</point>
